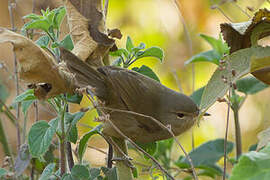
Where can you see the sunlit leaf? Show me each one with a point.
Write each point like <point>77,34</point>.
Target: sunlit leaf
<point>147,72</point>
<point>253,166</point>
<point>242,62</point>
<point>120,52</point>
<point>264,138</point>
<point>76,98</point>
<point>217,44</point>
<point>129,44</point>
<point>28,95</point>
<point>152,52</point>
<point>59,16</point>
<point>208,56</point>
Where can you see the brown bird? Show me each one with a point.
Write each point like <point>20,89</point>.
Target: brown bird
<point>124,89</point>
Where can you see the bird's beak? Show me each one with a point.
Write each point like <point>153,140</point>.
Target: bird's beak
<point>207,114</point>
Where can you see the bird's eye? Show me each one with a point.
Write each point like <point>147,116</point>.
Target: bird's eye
<point>180,115</point>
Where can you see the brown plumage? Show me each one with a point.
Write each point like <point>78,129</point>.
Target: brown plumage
<point>124,89</point>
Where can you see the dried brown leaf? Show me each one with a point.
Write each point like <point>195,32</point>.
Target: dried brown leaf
<point>84,45</point>
<point>245,34</point>
<point>95,38</point>
<point>37,66</point>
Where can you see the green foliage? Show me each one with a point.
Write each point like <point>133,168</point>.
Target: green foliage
<point>48,19</point>
<point>76,98</point>
<point>110,174</point>
<point>84,140</point>
<point>239,61</point>
<point>4,93</point>
<point>205,158</point>
<point>80,172</point>
<point>147,72</point>
<point>196,96</point>
<point>67,43</point>
<point>252,166</point>
<point>3,172</point>
<point>131,54</point>
<point>250,85</point>
<point>47,172</point>
<point>43,41</point>
<point>220,48</point>
<point>40,137</point>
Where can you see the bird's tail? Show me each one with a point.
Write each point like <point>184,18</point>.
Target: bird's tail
<point>85,75</point>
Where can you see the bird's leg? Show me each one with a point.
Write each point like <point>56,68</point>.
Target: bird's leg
<point>110,156</point>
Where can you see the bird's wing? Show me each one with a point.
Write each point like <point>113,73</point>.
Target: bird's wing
<point>137,92</point>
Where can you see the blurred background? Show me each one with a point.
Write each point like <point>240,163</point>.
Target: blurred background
<point>157,23</point>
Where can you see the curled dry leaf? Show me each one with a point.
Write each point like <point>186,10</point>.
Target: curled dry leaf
<point>84,45</point>
<point>87,26</point>
<point>36,66</point>
<point>246,34</point>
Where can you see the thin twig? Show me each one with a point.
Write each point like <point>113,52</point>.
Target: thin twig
<point>110,156</point>
<point>222,12</point>
<point>97,149</point>
<point>11,5</point>
<point>238,141</point>
<point>62,140</point>
<point>190,50</point>
<point>177,80</point>
<point>226,137</point>
<point>106,4</point>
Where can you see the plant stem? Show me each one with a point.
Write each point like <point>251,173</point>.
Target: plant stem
<point>69,156</point>
<point>10,8</point>
<point>238,141</point>
<point>63,142</point>
<point>4,141</point>
<point>124,172</point>
<point>110,156</point>
<point>226,136</point>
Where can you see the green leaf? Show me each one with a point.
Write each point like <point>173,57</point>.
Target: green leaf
<point>67,43</point>
<point>67,176</point>
<point>26,105</point>
<point>83,142</point>
<point>76,98</point>
<point>250,85</point>
<point>135,172</point>
<point>196,96</point>
<point>150,148</point>
<point>43,41</point>
<point>80,172</point>
<point>206,154</point>
<point>147,72</point>
<point>217,44</point>
<point>25,96</point>
<point>40,137</point>
<point>140,47</point>
<point>119,52</point>
<point>3,172</point>
<point>47,172</point>
<point>73,134</point>
<point>74,118</point>
<point>4,94</point>
<point>129,44</point>
<point>243,61</point>
<point>38,24</point>
<point>110,174</point>
<point>94,173</point>
<point>59,16</point>
<point>152,52</point>
<point>207,56</point>
<point>32,16</point>
<point>253,166</point>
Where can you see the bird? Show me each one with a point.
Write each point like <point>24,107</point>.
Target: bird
<point>129,91</point>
